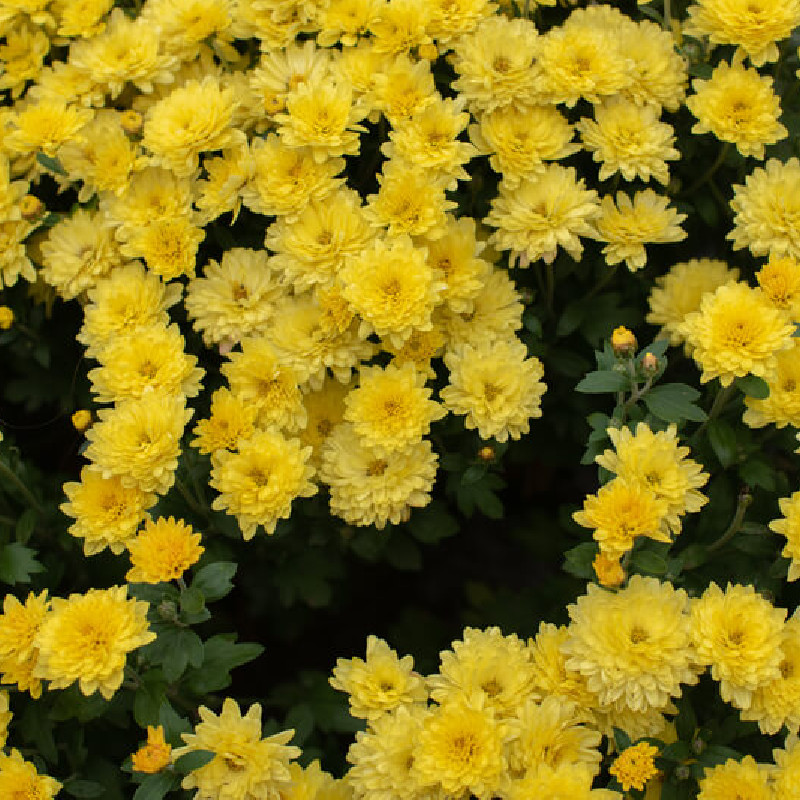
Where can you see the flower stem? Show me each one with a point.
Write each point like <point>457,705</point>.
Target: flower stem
<point>710,172</point>
<point>745,499</point>
<point>8,473</point>
<point>720,401</point>
<point>189,498</point>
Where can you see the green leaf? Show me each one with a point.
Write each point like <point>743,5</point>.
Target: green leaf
<point>686,721</point>
<point>26,525</point>
<point>192,601</point>
<point>155,787</point>
<point>603,381</point>
<point>473,474</point>
<point>301,720</point>
<point>755,472</point>
<point>18,563</point>
<point>193,760</point>
<point>80,788</point>
<point>221,654</point>
<point>621,739</point>
<point>403,553</point>
<point>185,647</point>
<point>172,723</point>
<point>650,562</point>
<point>432,524</point>
<point>753,386</point>
<point>717,754</point>
<point>723,441</point>
<point>214,580</point>
<point>488,502</point>
<point>51,163</point>
<point>674,402</point>
<point>148,699</point>
<point>578,561</point>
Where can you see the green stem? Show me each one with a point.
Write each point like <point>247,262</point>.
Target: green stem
<point>8,473</point>
<point>720,401</point>
<point>550,278</point>
<point>745,499</point>
<point>189,498</point>
<point>667,16</point>
<point>710,172</point>
<point>606,279</point>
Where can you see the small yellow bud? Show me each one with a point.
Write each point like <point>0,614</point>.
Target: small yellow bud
<point>31,207</point>
<point>6,318</point>
<point>273,104</point>
<point>81,419</point>
<point>132,122</point>
<point>155,755</point>
<point>623,342</point>
<point>649,363</point>
<point>487,453</point>
<point>428,51</point>
<point>608,570</point>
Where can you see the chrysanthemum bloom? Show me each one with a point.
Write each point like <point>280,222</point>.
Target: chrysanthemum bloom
<point>5,718</point>
<point>451,19</point>
<point>550,209</point>
<point>23,56</point>
<point>496,387</point>
<point>767,210</point>
<point>782,406</point>
<point>230,420</point>
<point>629,138</point>
<point>777,703</point>
<point>403,88</point>
<point>382,683</point>
<point>631,223</point>
<point>236,296</point>
<point>150,358</point>
<point>168,246</point>
<point>679,292</point>
<point>184,25</point>
<point>743,778</point>
<point>139,441</point>
<point>609,570</point>
<point>383,756</point>
<point>367,488</point>
<point>153,756</point>
<point>789,526</point>
<point>126,52</point>
<point>392,287</point>
<point>519,141</point>
<point>485,663</point>
<point>622,511</point>
<point>408,202</point>
<point>779,279</point>
<point>495,64</point>
<point>257,377</point>
<point>106,513</point>
<point>325,410</point>
<point>44,126</point>
<point>786,773</point>
<point>14,260</point>
<point>191,120</point>
<point>737,332</point>
<point>635,765</point>
<point>737,105</point>
<point>258,483</point>
<point>391,409</point>
<point>345,21</point>
<point>87,637</point>
<point>78,251</point>
<point>84,18</point>
<point>128,299</point>
<point>461,749</point>
<point>285,178</point>
<point>312,248</point>
<point>19,779</point>
<point>163,551</point>
<point>633,647</point>
<point>496,313</point>
<point>245,765</point>
<point>569,782</point>
<point>657,462</point>
<point>551,733</point>
<point>221,191</point>
<point>19,624</point>
<point>756,26</point>
<point>313,781</point>
<point>738,633</point>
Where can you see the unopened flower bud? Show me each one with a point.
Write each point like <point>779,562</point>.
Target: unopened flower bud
<point>132,122</point>
<point>6,318</point>
<point>623,342</point>
<point>168,610</point>
<point>487,453</point>
<point>31,207</point>
<point>608,570</point>
<point>273,104</point>
<point>650,363</point>
<point>81,419</point>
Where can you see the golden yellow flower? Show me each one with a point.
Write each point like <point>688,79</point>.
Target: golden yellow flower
<point>635,766</point>
<point>22,56</point>
<point>6,318</point>
<point>153,756</point>
<point>734,778</point>
<point>381,683</point>
<point>168,246</point>
<point>163,551</point>
<point>87,637</point>
<point>230,420</point>
<point>345,21</point>
<point>789,526</point>
<point>609,571</point>
<point>325,410</point>
<point>44,126</point>
<point>19,779</point>
<point>186,25</point>
<point>5,718</point>
<point>226,176</point>
<point>19,654</point>
<point>400,26</point>
<point>402,87</point>
<point>782,406</point>
<point>451,19</point>
<point>779,279</point>
<point>81,18</point>
<point>570,782</point>
<point>14,260</point>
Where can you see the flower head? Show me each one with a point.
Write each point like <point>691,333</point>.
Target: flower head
<point>743,778</point>
<point>635,765</point>
<point>163,551</point>
<point>155,755</point>
<point>19,779</point>
<point>19,655</point>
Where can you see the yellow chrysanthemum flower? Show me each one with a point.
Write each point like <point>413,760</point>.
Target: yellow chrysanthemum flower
<point>550,209</point>
<point>737,332</point>
<point>163,551</point>
<point>14,259</point>
<point>245,765</point>
<point>325,410</point>
<point>622,511</point>
<point>185,25</point>
<point>635,766</point>
<point>452,19</point>
<point>570,782</point>
<point>19,779</point>
<point>737,105</point>
<point>779,279</point>
<point>738,633</point>
<point>633,222</point>
<point>367,488</point>
<point>5,718</point>
<point>628,138</point>
<point>382,683</point>
<point>782,406</point>
<point>139,441</point>
<point>258,483</point>
<point>786,773</point>
<point>519,141</point>
<point>155,755</point>
<point>313,783</point>
<point>19,654</point>
<point>23,57</point>
<point>679,292</point>
<point>345,21</point>
<point>106,513</point>
<point>81,18</point>
<point>734,778</point>
<point>789,526</point>
<point>633,647</point>
<point>754,25</point>
<point>226,176</point>
<point>767,210</point>
<point>87,637</point>
<point>656,461</point>
<point>230,420</point>
<point>496,386</point>
<point>402,88</point>
<point>168,246</point>
<point>44,126</point>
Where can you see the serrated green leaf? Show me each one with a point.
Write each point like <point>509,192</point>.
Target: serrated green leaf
<point>722,438</point>
<point>18,563</point>
<point>753,386</point>
<point>603,382</point>
<point>674,402</point>
<point>578,561</point>
<point>172,723</point>
<point>194,760</point>
<point>155,787</point>
<point>214,580</point>
<point>650,562</point>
